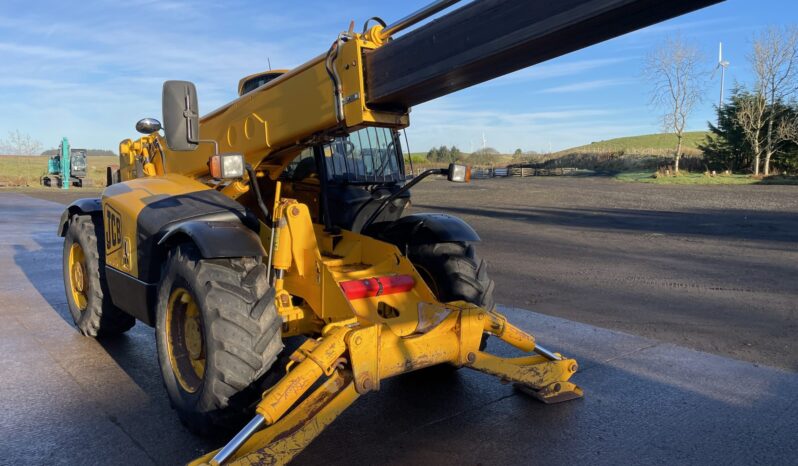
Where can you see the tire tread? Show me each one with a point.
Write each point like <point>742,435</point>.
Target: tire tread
<point>243,327</point>
<point>100,318</point>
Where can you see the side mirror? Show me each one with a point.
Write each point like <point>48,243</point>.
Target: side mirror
<point>459,173</point>
<point>148,126</point>
<point>180,115</point>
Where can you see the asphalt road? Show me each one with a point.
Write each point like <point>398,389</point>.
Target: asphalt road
<point>714,268</point>
<point>67,399</point>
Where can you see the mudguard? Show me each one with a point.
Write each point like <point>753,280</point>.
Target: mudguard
<point>80,206</point>
<point>215,239</point>
<point>426,229</point>
<point>216,235</point>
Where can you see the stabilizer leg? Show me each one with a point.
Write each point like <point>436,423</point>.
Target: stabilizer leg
<point>280,442</point>
<point>288,434</point>
<point>544,379</point>
<point>354,358</point>
<point>544,375</point>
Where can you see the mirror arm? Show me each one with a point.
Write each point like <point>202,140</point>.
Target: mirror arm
<point>161,152</point>
<point>189,114</point>
<point>321,168</point>
<point>404,189</point>
<point>253,184</point>
<point>210,141</point>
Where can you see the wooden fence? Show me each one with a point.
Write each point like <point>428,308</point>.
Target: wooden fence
<point>481,173</point>
<point>491,172</point>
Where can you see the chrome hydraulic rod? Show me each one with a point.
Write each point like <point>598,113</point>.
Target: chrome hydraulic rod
<point>416,17</point>
<point>546,353</point>
<point>236,442</point>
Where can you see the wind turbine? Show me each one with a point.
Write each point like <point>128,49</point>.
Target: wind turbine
<point>722,65</point>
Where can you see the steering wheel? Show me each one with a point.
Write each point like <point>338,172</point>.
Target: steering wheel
<point>304,169</point>
<point>349,148</point>
<point>343,161</point>
<point>390,153</point>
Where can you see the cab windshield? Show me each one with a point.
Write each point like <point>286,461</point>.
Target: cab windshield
<point>370,155</point>
<point>78,160</point>
<point>367,156</point>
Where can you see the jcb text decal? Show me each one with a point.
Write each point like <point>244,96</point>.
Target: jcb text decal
<point>113,230</point>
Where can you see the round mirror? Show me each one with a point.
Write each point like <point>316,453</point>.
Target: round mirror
<point>148,126</point>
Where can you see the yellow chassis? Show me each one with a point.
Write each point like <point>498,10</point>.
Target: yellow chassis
<point>359,347</point>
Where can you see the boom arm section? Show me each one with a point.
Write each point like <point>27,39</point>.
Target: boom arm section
<point>490,38</point>
<point>368,79</point>
<point>315,101</point>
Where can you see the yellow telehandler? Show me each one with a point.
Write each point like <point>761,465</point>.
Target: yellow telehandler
<point>269,245</point>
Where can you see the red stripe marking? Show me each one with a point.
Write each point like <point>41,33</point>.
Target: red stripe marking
<point>377,286</point>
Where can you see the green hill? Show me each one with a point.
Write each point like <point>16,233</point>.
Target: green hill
<point>89,152</point>
<point>20,170</point>
<point>645,144</point>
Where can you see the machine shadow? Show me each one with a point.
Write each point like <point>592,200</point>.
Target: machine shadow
<point>133,351</point>
<point>731,223</point>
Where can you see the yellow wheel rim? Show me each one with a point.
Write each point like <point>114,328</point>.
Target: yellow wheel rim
<point>185,339</point>
<point>78,281</point>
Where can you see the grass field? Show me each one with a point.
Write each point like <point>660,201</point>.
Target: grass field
<point>645,144</point>
<point>28,170</point>
<point>418,157</point>
<point>701,179</point>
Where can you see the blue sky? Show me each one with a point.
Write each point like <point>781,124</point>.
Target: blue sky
<point>89,70</point>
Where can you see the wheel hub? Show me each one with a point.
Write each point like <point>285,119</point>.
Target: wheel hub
<point>186,341</point>
<point>77,275</point>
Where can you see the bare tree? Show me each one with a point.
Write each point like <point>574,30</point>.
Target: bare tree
<point>675,73</point>
<point>19,143</point>
<point>774,59</point>
<point>787,129</point>
<point>751,116</point>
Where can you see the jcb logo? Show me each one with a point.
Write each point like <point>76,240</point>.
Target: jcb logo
<point>113,230</point>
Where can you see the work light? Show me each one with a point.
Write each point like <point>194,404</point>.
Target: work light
<point>459,173</point>
<point>227,166</point>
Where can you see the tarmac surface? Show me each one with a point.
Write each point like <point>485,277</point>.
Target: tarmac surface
<point>713,268</point>
<point>67,399</point>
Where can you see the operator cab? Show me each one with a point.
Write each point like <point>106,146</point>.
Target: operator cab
<point>359,170</point>
<point>78,162</point>
<point>254,81</point>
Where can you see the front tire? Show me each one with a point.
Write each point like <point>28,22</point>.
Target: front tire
<point>454,272</point>
<point>87,294</point>
<point>217,332</point>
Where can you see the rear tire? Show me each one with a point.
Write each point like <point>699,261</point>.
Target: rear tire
<point>87,293</point>
<point>217,332</point>
<point>454,272</point>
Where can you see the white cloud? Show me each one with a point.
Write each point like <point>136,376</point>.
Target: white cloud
<point>680,25</point>
<point>587,86</point>
<point>447,121</point>
<point>558,70</point>
<point>100,76</point>
<point>41,52</point>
